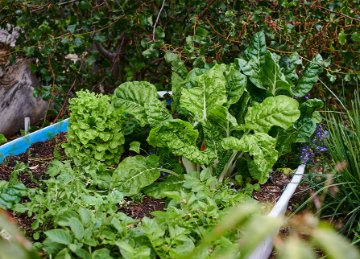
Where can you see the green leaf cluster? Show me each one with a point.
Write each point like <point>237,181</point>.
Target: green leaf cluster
<point>245,110</point>
<point>96,130</point>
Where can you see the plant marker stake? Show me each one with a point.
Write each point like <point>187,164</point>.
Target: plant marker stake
<point>27,125</point>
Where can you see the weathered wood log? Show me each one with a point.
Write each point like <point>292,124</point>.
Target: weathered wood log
<point>17,84</point>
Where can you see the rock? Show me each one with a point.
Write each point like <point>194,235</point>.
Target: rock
<point>17,84</point>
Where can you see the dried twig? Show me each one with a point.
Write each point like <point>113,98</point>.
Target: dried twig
<point>157,20</point>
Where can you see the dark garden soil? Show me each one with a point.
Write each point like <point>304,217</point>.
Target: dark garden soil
<point>41,154</point>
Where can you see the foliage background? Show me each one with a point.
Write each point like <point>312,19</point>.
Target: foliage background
<point>97,44</point>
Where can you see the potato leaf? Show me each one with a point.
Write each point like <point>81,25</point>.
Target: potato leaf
<point>59,236</point>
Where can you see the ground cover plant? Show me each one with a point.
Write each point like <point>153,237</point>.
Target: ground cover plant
<point>228,123</point>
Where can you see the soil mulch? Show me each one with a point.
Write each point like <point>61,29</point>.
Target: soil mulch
<point>139,210</point>
<point>271,191</point>
<point>37,160</point>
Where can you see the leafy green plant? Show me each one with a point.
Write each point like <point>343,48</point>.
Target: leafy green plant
<point>95,131</point>
<point>320,236</point>
<point>2,139</point>
<point>12,191</point>
<point>344,145</point>
<point>242,111</point>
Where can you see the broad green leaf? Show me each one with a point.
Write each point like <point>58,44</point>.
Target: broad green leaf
<point>281,111</point>
<point>288,65</point>
<point>77,228</point>
<point>156,112</point>
<point>221,117</point>
<point>334,245</point>
<point>176,87</point>
<point>134,173</point>
<point>284,140</point>
<point>85,216</point>
<point>309,77</point>
<point>295,248</point>
<point>259,145</point>
<point>253,70</point>
<point>140,99</point>
<point>253,233</point>
<point>59,236</point>
<point>236,84</point>
<point>305,126</point>
<point>171,183</point>
<point>102,253</point>
<point>129,252</point>
<point>309,106</point>
<point>180,137</point>
<point>135,146</point>
<point>209,93</point>
<point>257,49</point>
<point>272,78</point>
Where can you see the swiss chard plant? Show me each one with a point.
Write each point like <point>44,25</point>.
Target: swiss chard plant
<point>239,117</point>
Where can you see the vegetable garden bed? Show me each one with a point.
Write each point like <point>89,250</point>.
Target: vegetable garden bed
<point>227,126</point>
<point>32,167</point>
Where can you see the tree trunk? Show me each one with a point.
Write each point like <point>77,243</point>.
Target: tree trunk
<point>16,94</point>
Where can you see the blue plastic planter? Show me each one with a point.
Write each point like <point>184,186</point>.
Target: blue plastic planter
<point>20,145</point>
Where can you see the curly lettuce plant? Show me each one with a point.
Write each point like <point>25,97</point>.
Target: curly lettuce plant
<point>95,131</point>
<point>232,118</point>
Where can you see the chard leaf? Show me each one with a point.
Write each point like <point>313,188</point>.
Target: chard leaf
<point>279,111</point>
<point>180,137</point>
<point>284,140</point>
<point>140,99</point>
<point>309,106</point>
<point>176,87</point>
<point>309,77</point>
<point>257,49</point>
<point>288,64</point>
<point>305,126</point>
<point>134,173</point>
<point>221,118</point>
<point>259,145</point>
<point>272,78</point>
<point>209,93</point>
<point>253,70</point>
<point>135,147</point>
<point>236,83</point>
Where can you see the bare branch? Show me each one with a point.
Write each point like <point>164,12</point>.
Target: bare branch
<point>157,20</point>
<point>104,52</point>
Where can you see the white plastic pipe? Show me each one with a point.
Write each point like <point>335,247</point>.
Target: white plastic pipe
<point>27,125</point>
<point>264,250</point>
